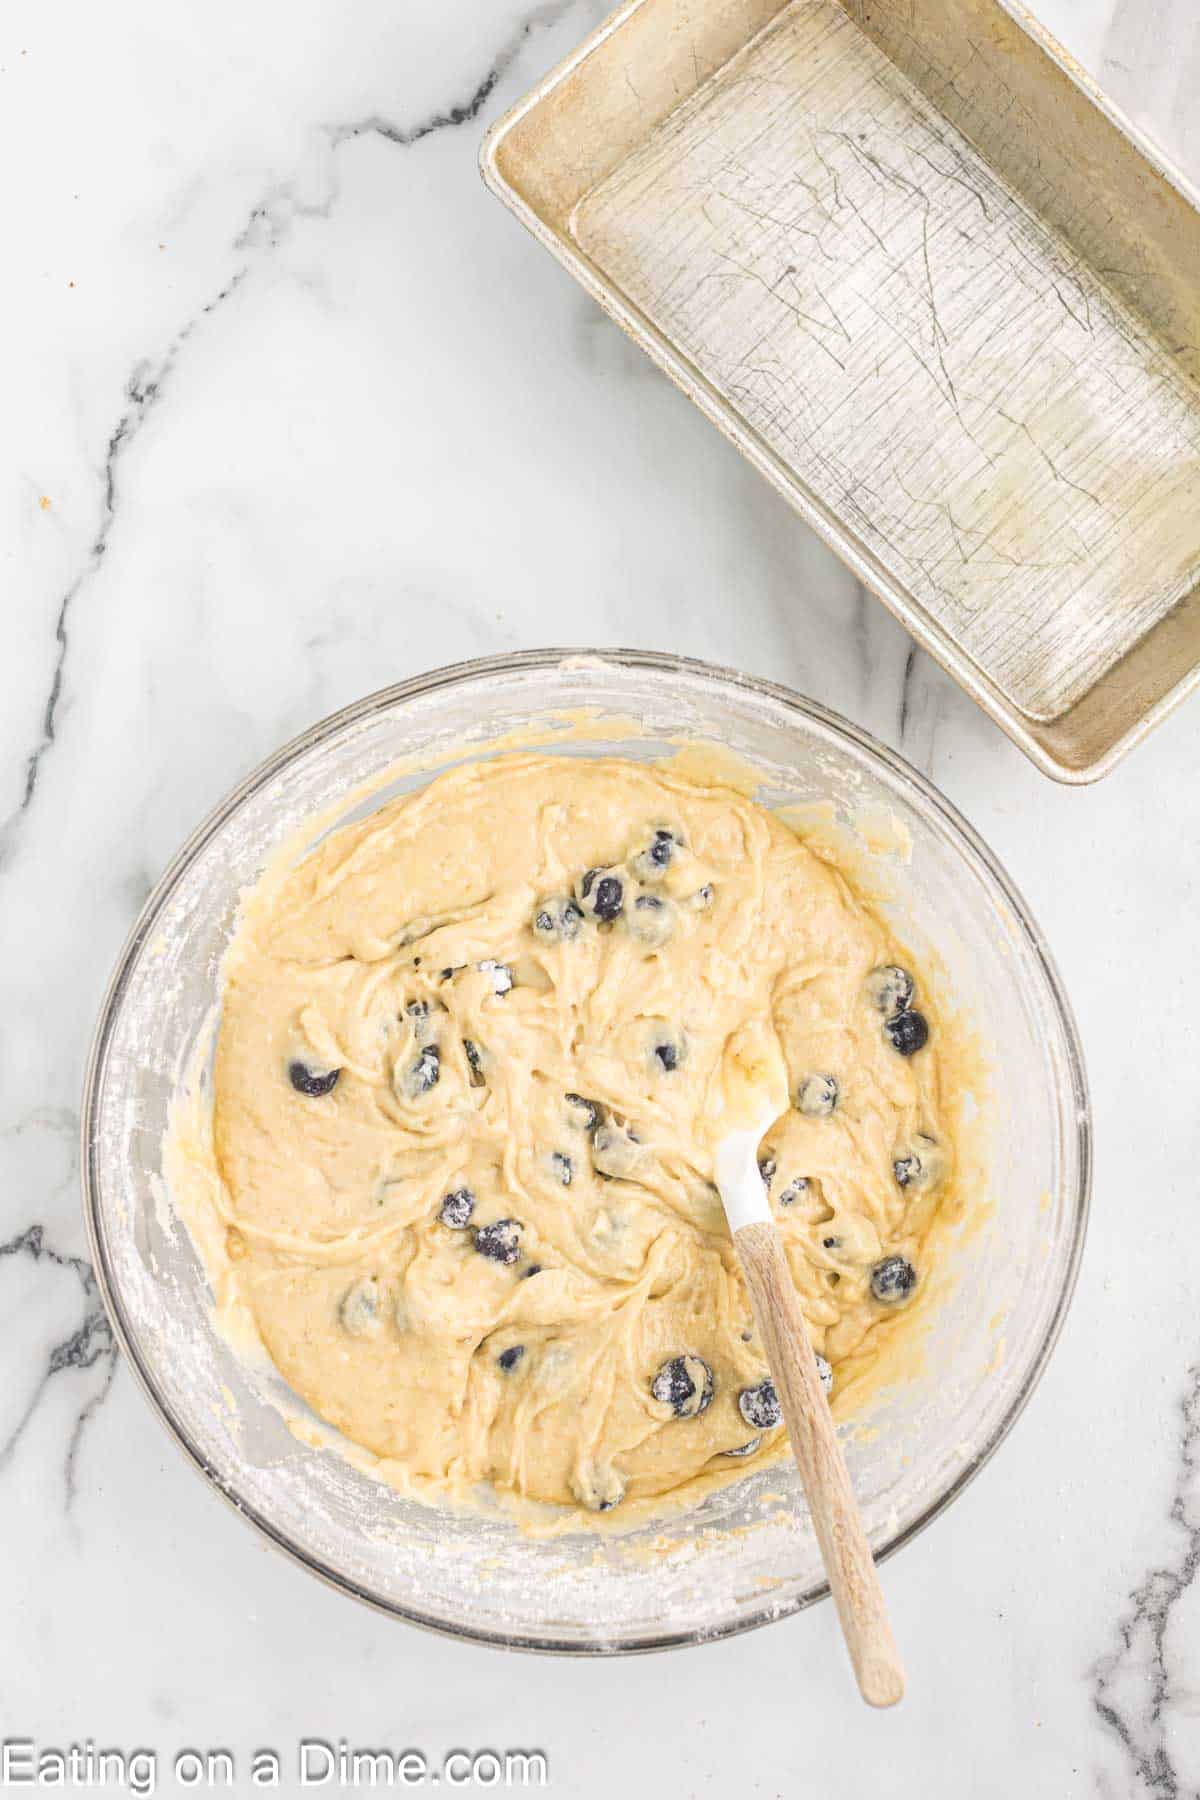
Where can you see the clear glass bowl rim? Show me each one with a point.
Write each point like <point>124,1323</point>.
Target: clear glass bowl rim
<point>462,674</point>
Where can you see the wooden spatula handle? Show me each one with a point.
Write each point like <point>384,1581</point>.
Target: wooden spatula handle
<point>853,1578</point>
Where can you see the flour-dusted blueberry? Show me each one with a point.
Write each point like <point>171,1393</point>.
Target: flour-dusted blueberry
<point>767,1168</point>
<point>893,1280</point>
<point>651,921</point>
<point>747,1449</point>
<point>651,863</point>
<point>563,1167</point>
<point>816,1096</point>
<point>423,1073</point>
<point>508,1359</point>
<point>663,848</point>
<point>921,1165</point>
<point>890,989</point>
<point>360,1309</point>
<point>686,1385</point>
<point>418,1011</point>
<point>601,894</point>
<point>474,1056</point>
<point>702,899</point>
<point>615,1150</point>
<point>760,1407</point>
<point>585,1114</point>
<point>908,1032</point>
<point>825,1371</point>
<point>500,974</point>
<point>456,1208</point>
<point>312,1082</point>
<point>795,1190</point>
<point>500,1241</point>
<point>557,919</point>
<point>667,1049</point>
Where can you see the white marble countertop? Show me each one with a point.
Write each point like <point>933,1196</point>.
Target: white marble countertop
<point>293,408</point>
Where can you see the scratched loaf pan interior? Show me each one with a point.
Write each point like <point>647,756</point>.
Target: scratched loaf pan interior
<point>922,275</point>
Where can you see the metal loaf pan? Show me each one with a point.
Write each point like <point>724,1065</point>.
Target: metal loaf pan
<point>909,259</point>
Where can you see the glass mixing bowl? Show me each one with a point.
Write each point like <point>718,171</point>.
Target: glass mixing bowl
<point>741,1558</point>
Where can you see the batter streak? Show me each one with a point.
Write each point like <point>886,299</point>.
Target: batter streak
<point>466,1055</point>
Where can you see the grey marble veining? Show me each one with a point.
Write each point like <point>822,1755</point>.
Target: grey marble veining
<point>89,1346</point>
<point>266,224</point>
<point>298,410</point>
<point>1140,1691</point>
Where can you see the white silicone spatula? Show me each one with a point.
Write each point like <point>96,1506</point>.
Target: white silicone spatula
<point>753,1095</point>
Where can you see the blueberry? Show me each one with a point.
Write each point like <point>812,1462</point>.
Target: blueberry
<point>650,863</point>
<point>508,1359</point>
<point>702,899</point>
<point>532,1269</point>
<point>921,1166</point>
<point>910,1169</point>
<point>831,1243</point>
<point>668,1049</point>
<point>686,1385</point>
<point>817,1096</point>
<point>825,1371</point>
<point>767,1167</point>
<point>893,1280</point>
<point>744,1449</point>
<point>587,1114</point>
<point>906,1169</point>
<point>418,1010</point>
<point>501,974</point>
<point>358,1311</point>
<point>424,1073</point>
<point>456,1209</point>
<point>908,1032</point>
<point>308,1081</point>
<point>652,920</point>
<point>500,1242</point>
<point>557,919</point>
<point>890,989</point>
<point>760,1407</point>
<point>474,1058</point>
<point>563,1167</point>
<point>794,1191</point>
<point>602,893</point>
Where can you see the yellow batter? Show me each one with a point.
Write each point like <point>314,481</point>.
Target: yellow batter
<point>467,1052</point>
